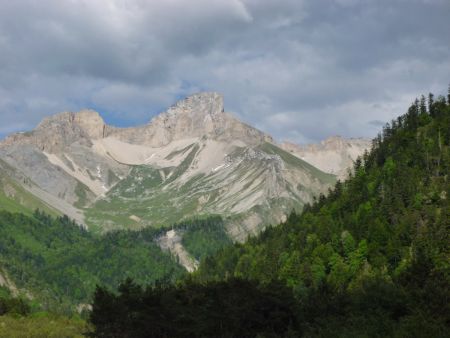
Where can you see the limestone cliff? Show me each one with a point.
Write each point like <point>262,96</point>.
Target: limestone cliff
<point>335,155</point>
<point>193,159</point>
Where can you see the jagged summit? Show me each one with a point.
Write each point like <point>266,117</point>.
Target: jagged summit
<point>196,116</point>
<point>83,116</point>
<point>200,104</point>
<point>86,121</point>
<point>204,103</point>
<point>58,131</point>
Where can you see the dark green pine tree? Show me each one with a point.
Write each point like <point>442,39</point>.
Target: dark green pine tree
<point>423,105</point>
<point>448,94</point>
<point>430,104</point>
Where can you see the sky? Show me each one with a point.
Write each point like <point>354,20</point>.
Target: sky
<point>300,70</point>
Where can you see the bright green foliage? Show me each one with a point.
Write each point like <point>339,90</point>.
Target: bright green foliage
<point>60,263</point>
<point>374,255</point>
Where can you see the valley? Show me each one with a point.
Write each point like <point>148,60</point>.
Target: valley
<point>224,169</point>
<point>192,216</point>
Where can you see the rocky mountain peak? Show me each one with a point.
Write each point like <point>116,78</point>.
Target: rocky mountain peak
<point>205,103</point>
<point>88,121</point>
<point>91,122</point>
<point>197,116</point>
<point>55,120</point>
<point>58,131</point>
<point>87,115</point>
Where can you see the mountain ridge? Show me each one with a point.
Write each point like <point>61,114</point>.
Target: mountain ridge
<point>194,158</point>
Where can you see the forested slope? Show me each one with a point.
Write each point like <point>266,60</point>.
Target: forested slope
<point>370,259</point>
<point>60,263</point>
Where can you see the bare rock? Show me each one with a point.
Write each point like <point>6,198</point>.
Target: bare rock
<point>335,155</point>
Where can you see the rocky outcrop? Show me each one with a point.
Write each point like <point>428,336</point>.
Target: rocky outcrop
<point>57,132</point>
<point>199,115</point>
<point>91,123</point>
<point>335,155</point>
<point>171,241</point>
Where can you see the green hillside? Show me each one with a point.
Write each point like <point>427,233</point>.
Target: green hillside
<point>60,263</point>
<point>369,260</point>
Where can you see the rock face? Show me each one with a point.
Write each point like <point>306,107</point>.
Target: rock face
<point>335,155</point>
<point>57,132</point>
<point>194,159</point>
<point>199,115</point>
<point>171,241</point>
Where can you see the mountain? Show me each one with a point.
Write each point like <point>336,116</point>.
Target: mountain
<point>335,155</point>
<point>369,260</point>
<point>15,195</point>
<point>194,160</point>
<point>194,168</point>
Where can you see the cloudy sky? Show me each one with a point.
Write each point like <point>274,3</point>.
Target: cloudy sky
<point>301,70</point>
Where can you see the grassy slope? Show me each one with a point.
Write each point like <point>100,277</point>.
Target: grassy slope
<point>18,199</point>
<point>299,163</point>
<point>41,325</point>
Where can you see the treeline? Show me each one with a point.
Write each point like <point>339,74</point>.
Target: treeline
<point>370,259</point>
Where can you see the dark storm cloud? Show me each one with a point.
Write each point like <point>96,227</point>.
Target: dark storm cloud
<point>301,70</point>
